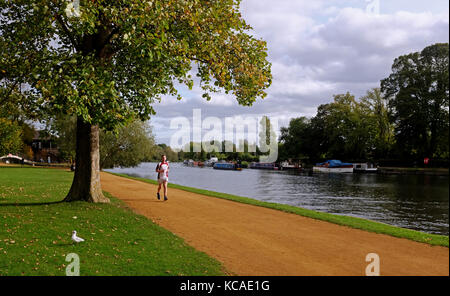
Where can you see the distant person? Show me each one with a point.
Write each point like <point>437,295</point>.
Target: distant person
<point>163,176</point>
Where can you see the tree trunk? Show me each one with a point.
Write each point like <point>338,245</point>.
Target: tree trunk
<point>86,182</point>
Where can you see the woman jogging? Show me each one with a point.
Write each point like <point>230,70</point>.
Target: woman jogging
<point>163,176</point>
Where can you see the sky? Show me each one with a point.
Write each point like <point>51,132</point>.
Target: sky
<point>317,49</point>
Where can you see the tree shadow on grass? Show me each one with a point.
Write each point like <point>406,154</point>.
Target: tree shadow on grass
<point>63,244</point>
<point>30,204</point>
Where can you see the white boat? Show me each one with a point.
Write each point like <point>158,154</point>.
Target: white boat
<point>333,166</point>
<point>210,162</point>
<point>332,170</point>
<point>286,165</point>
<point>364,168</point>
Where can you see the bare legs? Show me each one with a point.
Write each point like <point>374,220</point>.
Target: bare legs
<point>165,189</point>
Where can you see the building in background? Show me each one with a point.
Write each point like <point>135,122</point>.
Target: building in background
<point>44,147</point>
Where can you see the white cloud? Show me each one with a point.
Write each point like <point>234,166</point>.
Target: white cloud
<point>320,48</point>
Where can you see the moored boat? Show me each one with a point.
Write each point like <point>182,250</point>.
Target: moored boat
<point>210,162</point>
<point>365,167</point>
<point>286,165</point>
<point>263,166</point>
<point>333,166</point>
<point>226,166</point>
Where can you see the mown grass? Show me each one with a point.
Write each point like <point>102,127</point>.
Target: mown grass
<point>35,230</point>
<point>353,222</point>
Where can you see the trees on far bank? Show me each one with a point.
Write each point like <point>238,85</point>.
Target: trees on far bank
<point>408,118</point>
<point>298,140</point>
<point>418,93</point>
<point>376,115</point>
<point>347,128</point>
<point>161,149</point>
<point>130,146</point>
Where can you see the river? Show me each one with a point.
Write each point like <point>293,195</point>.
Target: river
<point>415,201</point>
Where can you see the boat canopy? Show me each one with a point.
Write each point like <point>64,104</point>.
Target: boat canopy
<point>224,166</point>
<point>334,163</point>
<point>11,156</point>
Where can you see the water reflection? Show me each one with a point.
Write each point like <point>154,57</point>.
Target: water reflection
<point>415,202</point>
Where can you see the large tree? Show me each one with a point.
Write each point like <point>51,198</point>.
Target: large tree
<point>342,128</point>
<point>346,128</point>
<point>375,115</point>
<point>298,140</point>
<point>129,147</point>
<point>111,60</point>
<point>418,90</point>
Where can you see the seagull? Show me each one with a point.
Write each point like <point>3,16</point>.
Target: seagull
<point>75,238</point>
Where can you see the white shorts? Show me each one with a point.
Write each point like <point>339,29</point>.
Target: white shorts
<point>163,179</point>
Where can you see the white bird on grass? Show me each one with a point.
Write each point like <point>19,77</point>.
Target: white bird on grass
<point>75,238</point>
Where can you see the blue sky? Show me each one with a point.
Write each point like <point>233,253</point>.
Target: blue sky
<point>317,49</point>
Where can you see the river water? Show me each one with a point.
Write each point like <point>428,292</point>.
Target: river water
<point>414,202</point>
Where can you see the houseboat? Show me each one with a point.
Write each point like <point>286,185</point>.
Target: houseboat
<point>365,167</point>
<point>227,166</point>
<point>333,166</point>
<point>263,166</point>
<point>286,165</point>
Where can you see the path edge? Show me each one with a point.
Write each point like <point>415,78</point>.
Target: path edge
<point>352,222</point>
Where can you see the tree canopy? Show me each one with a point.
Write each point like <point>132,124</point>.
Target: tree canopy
<point>111,62</point>
<point>418,90</point>
<point>404,121</point>
<point>346,128</point>
<point>10,137</point>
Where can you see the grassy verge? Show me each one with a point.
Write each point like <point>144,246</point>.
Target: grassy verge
<point>358,223</point>
<point>35,229</point>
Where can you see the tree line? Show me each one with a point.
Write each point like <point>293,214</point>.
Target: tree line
<point>127,146</point>
<point>230,151</point>
<point>404,121</point>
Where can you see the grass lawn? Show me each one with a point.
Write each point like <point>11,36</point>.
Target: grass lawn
<point>35,230</point>
<point>358,223</point>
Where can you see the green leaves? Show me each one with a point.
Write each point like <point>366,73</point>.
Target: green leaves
<point>418,89</point>
<point>131,145</point>
<point>141,46</point>
<point>344,129</point>
<point>10,137</point>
